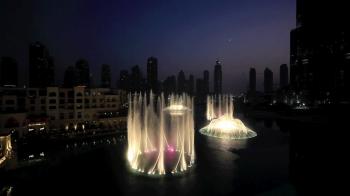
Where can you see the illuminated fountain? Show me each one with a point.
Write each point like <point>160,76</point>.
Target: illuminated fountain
<point>160,134</point>
<point>222,123</point>
<point>5,148</point>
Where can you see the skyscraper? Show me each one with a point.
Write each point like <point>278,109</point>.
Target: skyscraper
<point>315,13</point>
<point>190,85</point>
<point>252,80</point>
<point>200,87</point>
<point>152,74</point>
<point>41,66</point>
<point>169,85</point>
<point>70,77</point>
<point>181,82</point>
<point>8,72</point>
<point>217,78</point>
<point>320,49</point>
<point>283,75</point>
<point>136,79</point>
<point>268,81</point>
<point>206,82</point>
<point>106,76</point>
<point>92,81</point>
<point>124,79</point>
<point>83,72</point>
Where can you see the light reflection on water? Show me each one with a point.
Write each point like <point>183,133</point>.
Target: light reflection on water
<point>223,167</point>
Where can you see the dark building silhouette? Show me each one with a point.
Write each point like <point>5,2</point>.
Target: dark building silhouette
<point>190,85</point>
<point>8,72</point>
<point>320,50</point>
<point>136,81</point>
<point>200,87</point>
<point>92,81</point>
<point>70,77</point>
<point>169,85</point>
<point>181,82</point>
<point>252,80</point>
<point>284,76</point>
<point>106,76</point>
<point>124,79</point>
<point>335,12</point>
<point>152,73</point>
<point>41,66</point>
<point>206,88</point>
<point>217,78</point>
<point>83,72</point>
<point>268,81</point>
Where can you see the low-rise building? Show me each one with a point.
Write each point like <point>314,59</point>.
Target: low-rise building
<point>55,108</point>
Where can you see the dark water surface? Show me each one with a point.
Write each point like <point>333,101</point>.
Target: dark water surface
<point>223,167</point>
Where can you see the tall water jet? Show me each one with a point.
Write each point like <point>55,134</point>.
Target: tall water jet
<point>160,133</point>
<point>5,149</point>
<point>222,123</point>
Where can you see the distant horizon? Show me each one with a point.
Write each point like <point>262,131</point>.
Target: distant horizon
<point>181,35</point>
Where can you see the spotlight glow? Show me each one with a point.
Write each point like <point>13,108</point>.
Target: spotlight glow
<point>160,138</point>
<point>176,107</point>
<point>6,148</point>
<point>225,126</point>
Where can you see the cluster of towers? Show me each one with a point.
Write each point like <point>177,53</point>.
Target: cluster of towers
<point>41,74</point>
<point>134,80</point>
<point>269,86</point>
<point>41,70</point>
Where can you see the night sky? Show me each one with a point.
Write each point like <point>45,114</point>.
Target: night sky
<point>182,34</point>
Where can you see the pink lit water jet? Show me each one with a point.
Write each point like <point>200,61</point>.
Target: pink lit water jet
<point>160,134</point>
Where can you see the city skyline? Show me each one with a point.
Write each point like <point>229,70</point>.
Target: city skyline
<point>40,62</point>
<point>117,40</point>
<point>176,97</point>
